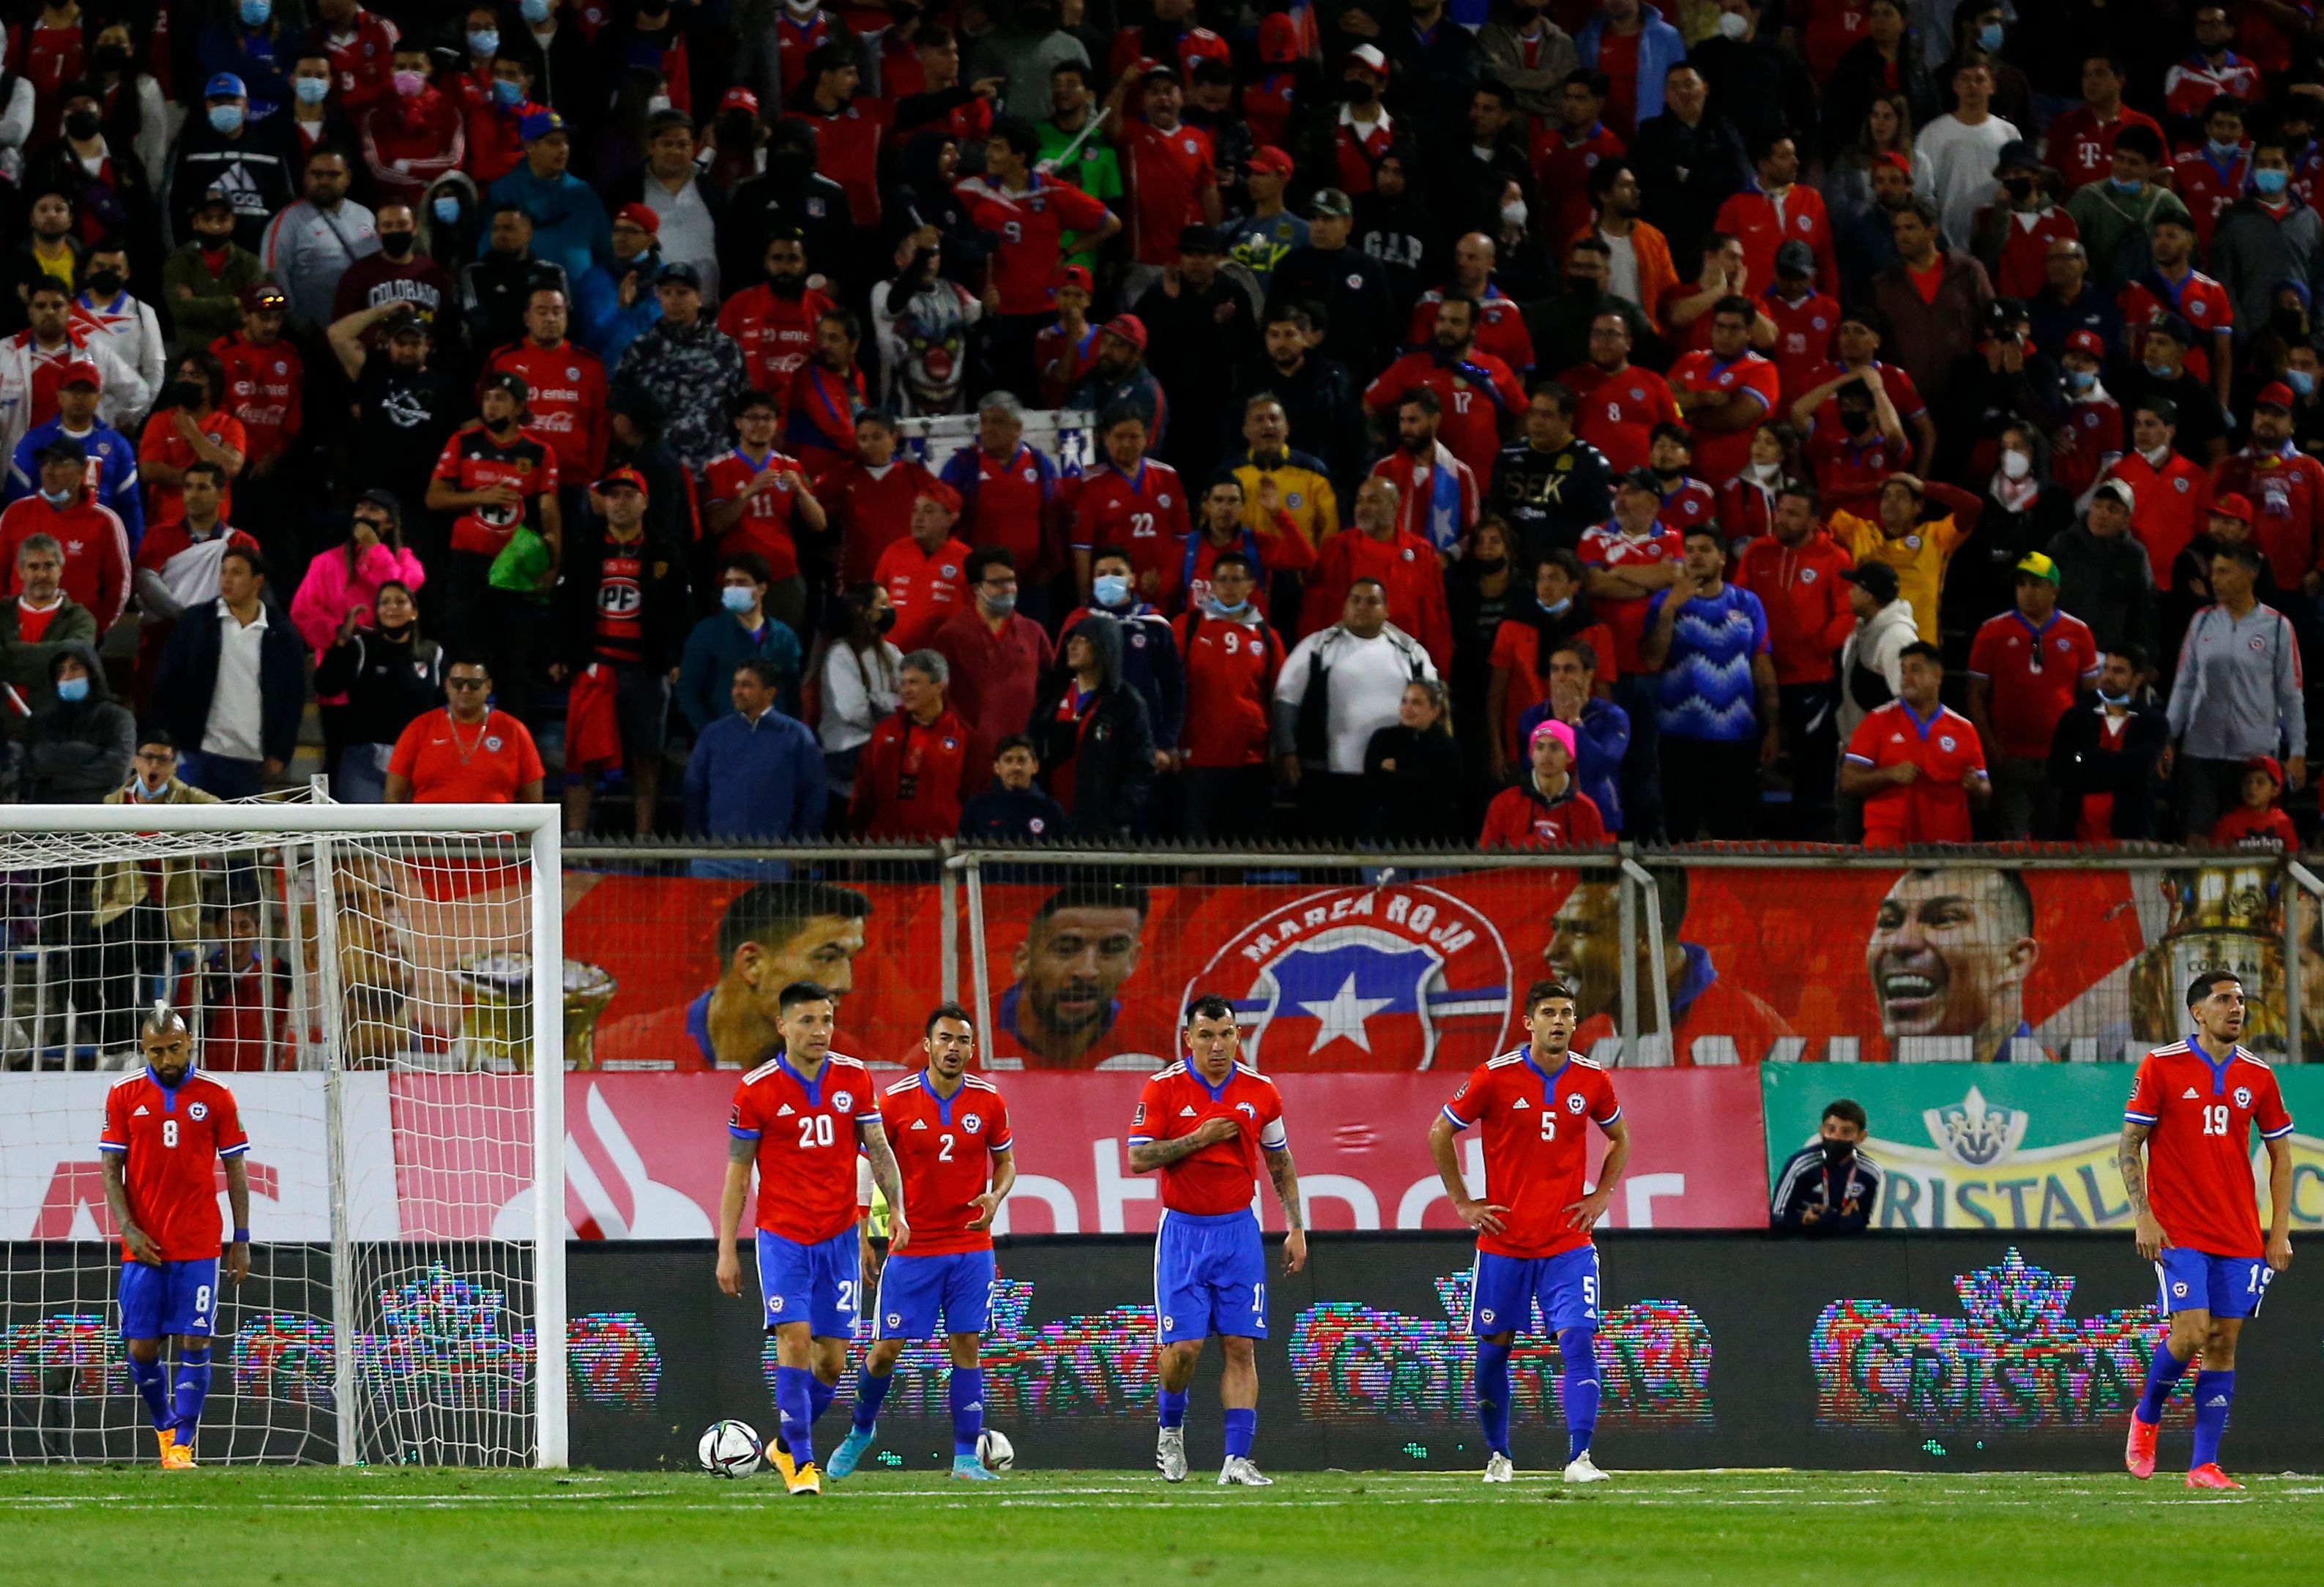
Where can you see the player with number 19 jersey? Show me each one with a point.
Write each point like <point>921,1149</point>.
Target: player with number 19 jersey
<point>807,1134</point>
<point>2200,1113</point>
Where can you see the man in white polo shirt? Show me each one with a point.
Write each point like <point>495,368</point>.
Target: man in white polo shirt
<point>232,683</point>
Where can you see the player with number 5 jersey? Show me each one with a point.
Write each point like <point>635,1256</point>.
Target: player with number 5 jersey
<point>1209,1125</point>
<point>168,1131</point>
<point>1536,1106</point>
<point>799,1117</point>
<point>949,1130</point>
<point>2186,1164</point>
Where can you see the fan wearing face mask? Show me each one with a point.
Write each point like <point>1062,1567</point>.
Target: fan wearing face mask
<point>413,133</point>
<point>1830,1187</point>
<point>256,44</point>
<point>2266,238</point>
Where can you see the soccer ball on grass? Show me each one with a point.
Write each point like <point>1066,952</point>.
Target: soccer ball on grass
<point>731,1449</point>
<point>994,1452</point>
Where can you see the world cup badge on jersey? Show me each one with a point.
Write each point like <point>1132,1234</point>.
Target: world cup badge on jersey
<point>1388,972</point>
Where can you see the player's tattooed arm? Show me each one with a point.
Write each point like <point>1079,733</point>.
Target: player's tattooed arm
<point>1145,1156</point>
<point>1280,1169</point>
<point>116,1201</point>
<point>874,1136</point>
<point>237,1200</point>
<point>740,1155</point>
<point>2129,1157</point>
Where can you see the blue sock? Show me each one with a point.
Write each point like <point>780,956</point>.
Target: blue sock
<point>819,1396</point>
<point>1242,1427</point>
<point>147,1376</point>
<point>1578,1347</point>
<point>2214,1392</point>
<point>870,1394</point>
<point>1174,1408</point>
<point>194,1387</point>
<point>967,1409</point>
<point>795,1397</point>
<point>1493,1394</point>
<point>2162,1375</point>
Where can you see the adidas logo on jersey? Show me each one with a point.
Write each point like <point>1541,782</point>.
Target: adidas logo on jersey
<point>783,1112</point>
<point>919,1123</point>
<point>1520,1101</point>
<point>2188,1095</point>
<point>1187,1112</point>
<point>141,1111</point>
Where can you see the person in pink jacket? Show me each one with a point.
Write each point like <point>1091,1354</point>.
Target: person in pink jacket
<point>340,590</point>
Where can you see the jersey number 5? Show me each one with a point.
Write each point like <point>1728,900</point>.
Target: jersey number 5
<point>1548,1124</point>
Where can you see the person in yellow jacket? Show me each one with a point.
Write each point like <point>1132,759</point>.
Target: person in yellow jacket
<point>1303,493</point>
<point>1918,529</point>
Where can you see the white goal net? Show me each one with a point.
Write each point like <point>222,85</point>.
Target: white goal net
<point>379,987</point>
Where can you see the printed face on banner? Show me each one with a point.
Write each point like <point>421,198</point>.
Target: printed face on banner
<point>1948,957</point>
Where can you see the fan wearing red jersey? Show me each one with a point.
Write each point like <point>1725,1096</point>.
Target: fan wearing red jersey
<point>955,1152</point>
<point>799,1118</point>
<point>1533,1222</point>
<point>2185,1158</point>
<point>1207,1124</point>
<point>168,1130</point>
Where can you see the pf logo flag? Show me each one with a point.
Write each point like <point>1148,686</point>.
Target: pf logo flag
<point>1366,977</point>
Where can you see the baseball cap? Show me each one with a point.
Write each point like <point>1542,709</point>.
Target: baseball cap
<point>1332,202</point>
<point>1130,328</point>
<point>509,380</point>
<point>224,85</point>
<point>2266,763</point>
<point>2175,326</point>
<point>2121,491</point>
<point>1552,728</point>
<point>1267,158</point>
<point>1199,238</point>
<point>2232,505</point>
<point>1369,57</point>
<point>2275,394</point>
<point>942,494</point>
<point>1795,258</point>
<point>1072,275</point>
<point>1640,479</point>
<point>624,476</point>
<point>417,323</point>
<point>678,272</point>
<point>2034,564</point>
<point>1877,579</point>
<point>539,124</point>
<point>740,98</point>
<point>80,372</point>
<point>2017,154</point>
<point>383,500</point>
<point>214,193</point>
<point>262,295</point>
<point>2088,342</point>
<point>1895,161</point>
<point>640,216</point>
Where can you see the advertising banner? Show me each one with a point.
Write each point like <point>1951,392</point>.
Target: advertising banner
<point>1088,965</point>
<point>2009,1146</point>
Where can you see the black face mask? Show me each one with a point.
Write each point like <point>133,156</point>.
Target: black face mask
<point>1855,420</point>
<point>1582,286</point>
<point>2289,324</point>
<point>2019,188</point>
<point>82,124</point>
<point>105,283</point>
<point>1488,565</point>
<point>735,130</point>
<point>1835,1152</point>
<point>396,244</point>
<point>1362,93</point>
<point>793,164</point>
<point>111,58</point>
<point>396,633</point>
<point>182,394</point>
<point>884,621</point>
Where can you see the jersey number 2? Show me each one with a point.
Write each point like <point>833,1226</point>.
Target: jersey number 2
<point>944,1148</point>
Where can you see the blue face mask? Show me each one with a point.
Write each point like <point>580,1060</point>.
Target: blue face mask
<point>2301,380</point>
<point>255,13</point>
<point>58,499</point>
<point>2121,699</point>
<point>2119,185</point>
<point>536,10</point>
<point>226,118</point>
<point>507,93</point>
<point>2082,379</point>
<point>2270,182</point>
<point>446,210</point>
<point>1221,608</point>
<point>485,44</point>
<point>1989,37</point>
<point>1559,610</point>
<point>2223,152</point>
<point>1110,589</point>
<point>311,90</point>
<point>72,690</point>
<point>2161,372</point>
<point>737,598</point>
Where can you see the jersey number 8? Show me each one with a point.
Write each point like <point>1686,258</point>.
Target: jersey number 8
<point>168,1132</point>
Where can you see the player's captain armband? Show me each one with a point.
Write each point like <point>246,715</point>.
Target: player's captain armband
<point>1273,1137</point>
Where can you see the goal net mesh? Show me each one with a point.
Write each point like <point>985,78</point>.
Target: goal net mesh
<point>367,997</point>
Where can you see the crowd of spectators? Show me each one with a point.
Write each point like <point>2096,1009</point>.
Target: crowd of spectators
<point>1525,422</point>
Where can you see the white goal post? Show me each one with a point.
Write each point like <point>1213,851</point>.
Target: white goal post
<point>465,896</point>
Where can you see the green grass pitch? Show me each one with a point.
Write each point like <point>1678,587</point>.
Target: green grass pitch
<point>250,1525</point>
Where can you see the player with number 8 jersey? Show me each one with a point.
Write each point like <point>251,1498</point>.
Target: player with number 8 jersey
<point>799,1117</point>
<point>1533,1227</point>
<point>2191,1108</point>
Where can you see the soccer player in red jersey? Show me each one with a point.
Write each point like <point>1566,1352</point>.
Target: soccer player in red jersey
<point>494,478</point>
<point>1208,1124</point>
<point>799,1117</point>
<point>1479,394</point>
<point>168,1130</point>
<point>1533,1224</point>
<point>956,1154</point>
<point>2189,1118</point>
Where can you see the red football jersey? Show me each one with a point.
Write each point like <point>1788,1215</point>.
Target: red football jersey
<point>1802,339</point>
<point>1143,513</point>
<point>775,333</point>
<point>473,460</point>
<point>765,526</point>
<point>1536,1152</point>
<point>1620,411</point>
<point>1220,1178</point>
<point>2201,300</point>
<point>1934,807</point>
<point>1501,326</point>
<point>927,586</point>
<point>1230,669</point>
<point>2082,146</point>
<point>1028,226</point>
<point>1478,396</point>
<point>266,388</point>
<point>567,408</point>
<point>171,1142</point>
<point>2206,188</point>
<point>2035,674</point>
<point>1608,547</point>
<point>1165,173</point>
<point>1720,454</point>
<point>942,1150</point>
<point>2198,1169</point>
<point>806,1142</point>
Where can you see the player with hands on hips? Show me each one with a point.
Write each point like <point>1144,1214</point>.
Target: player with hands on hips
<point>799,1118</point>
<point>2185,1158</point>
<point>949,1130</point>
<point>168,1130</point>
<point>1533,1225</point>
<point>1208,1124</point>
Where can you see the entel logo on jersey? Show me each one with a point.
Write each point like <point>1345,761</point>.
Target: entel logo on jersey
<point>1366,965</point>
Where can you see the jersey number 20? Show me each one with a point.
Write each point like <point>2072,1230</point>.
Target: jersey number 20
<point>815,1130</point>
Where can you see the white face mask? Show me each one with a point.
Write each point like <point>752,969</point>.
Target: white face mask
<point>657,104</point>
<point>1766,473</point>
<point>2015,465</point>
<point>1514,215</point>
<point>1732,24</point>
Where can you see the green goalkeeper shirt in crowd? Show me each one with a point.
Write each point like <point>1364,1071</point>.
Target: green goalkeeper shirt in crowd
<point>1094,170</point>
